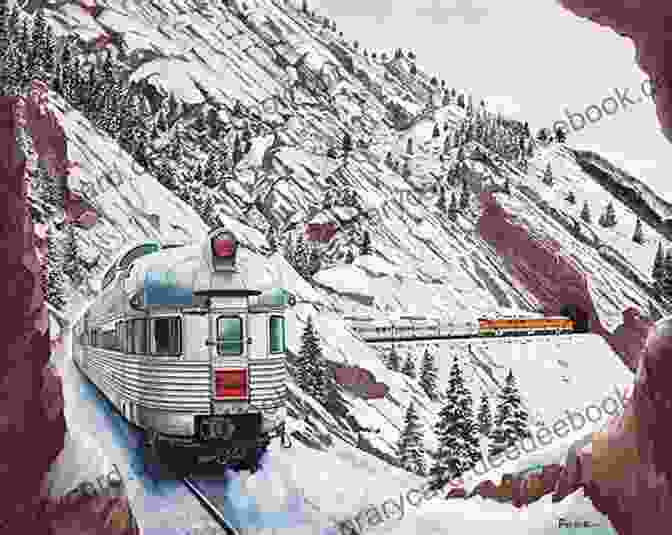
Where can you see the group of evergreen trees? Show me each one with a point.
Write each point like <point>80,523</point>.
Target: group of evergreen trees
<point>427,375</point>
<point>662,271</point>
<point>459,430</point>
<point>304,256</point>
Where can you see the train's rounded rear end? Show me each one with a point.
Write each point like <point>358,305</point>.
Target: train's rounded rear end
<point>185,346</point>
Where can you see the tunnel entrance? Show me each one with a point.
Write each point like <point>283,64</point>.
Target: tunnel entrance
<point>581,318</point>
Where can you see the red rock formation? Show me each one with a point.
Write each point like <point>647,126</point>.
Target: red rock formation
<point>647,23</point>
<point>625,470</point>
<point>33,427</point>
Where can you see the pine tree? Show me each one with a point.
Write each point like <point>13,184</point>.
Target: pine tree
<point>409,367</point>
<point>411,454</point>
<point>414,69</point>
<point>456,432</point>
<point>49,51</point>
<point>53,273</point>
<point>548,175</point>
<point>484,416</point>
<point>36,53</point>
<point>447,145</point>
<point>436,132</point>
<point>638,236</point>
<point>460,101</point>
<point>5,30</point>
<point>658,264</point>
<point>394,360</point>
<point>465,196</point>
<point>306,360</point>
<point>349,257</point>
<point>571,198</point>
<point>346,146</point>
<point>530,149</point>
<point>365,247</point>
<point>429,375</point>
<point>511,422</point>
<point>314,261</point>
<point>610,214</point>
<point>441,202</point>
<point>71,258</point>
<point>507,186</point>
<point>409,146</point>
<point>666,279</point>
<point>453,209</point>
<point>585,213</point>
<point>300,256</point>
<point>406,171</point>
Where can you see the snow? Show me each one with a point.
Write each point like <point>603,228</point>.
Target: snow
<point>422,266</point>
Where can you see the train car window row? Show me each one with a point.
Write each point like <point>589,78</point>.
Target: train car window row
<point>157,336</point>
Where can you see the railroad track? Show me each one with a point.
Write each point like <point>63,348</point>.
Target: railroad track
<point>214,512</point>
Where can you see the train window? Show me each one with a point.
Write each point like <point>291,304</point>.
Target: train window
<point>166,336</point>
<point>108,340</point>
<point>136,336</point>
<point>278,334</point>
<point>229,335</point>
<point>121,336</point>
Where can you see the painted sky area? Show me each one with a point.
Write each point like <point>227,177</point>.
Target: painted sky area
<point>530,60</point>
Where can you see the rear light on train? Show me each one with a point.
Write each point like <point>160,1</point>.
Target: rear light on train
<point>230,384</point>
<point>223,248</point>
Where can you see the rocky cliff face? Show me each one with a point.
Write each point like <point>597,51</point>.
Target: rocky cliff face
<point>33,427</point>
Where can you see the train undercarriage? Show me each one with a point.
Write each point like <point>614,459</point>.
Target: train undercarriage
<point>180,454</point>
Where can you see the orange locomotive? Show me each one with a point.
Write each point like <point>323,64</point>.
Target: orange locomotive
<point>523,326</point>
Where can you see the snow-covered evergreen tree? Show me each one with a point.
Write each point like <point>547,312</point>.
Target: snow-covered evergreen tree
<point>666,279</point>
<point>638,235</point>
<point>53,273</point>
<point>608,217</point>
<point>511,420</point>
<point>548,175</point>
<point>409,367</point>
<point>456,432</point>
<point>409,146</point>
<point>300,256</point>
<point>436,132</point>
<point>453,209</point>
<point>429,375</point>
<point>658,264</point>
<point>571,198</point>
<point>365,247</point>
<point>314,263</point>
<point>410,449</point>
<point>393,360</point>
<point>465,196</point>
<point>585,213</point>
<point>311,367</point>
<point>484,416</point>
<point>71,256</point>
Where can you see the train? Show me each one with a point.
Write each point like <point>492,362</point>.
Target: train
<point>187,347</point>
<point>422,327</point>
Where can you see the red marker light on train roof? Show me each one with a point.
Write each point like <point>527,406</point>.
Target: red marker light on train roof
<point>224,248</point>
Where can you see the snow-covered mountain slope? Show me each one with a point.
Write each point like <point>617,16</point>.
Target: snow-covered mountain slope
<point>268,68</point>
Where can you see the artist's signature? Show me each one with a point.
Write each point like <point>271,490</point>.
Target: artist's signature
<point>575,523</point>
